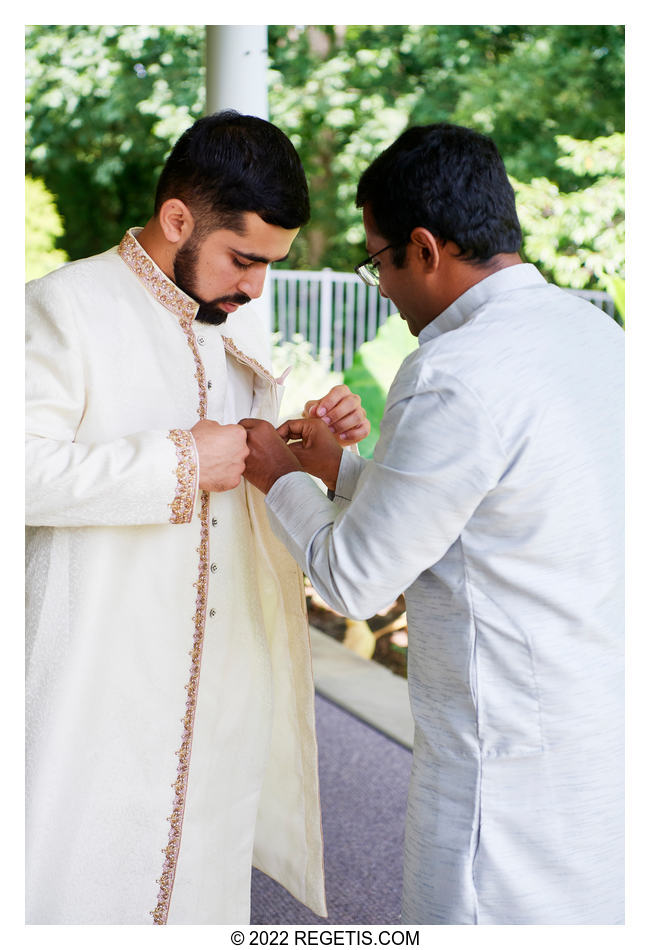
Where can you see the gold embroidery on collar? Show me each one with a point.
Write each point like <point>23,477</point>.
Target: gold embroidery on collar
<point>157,283</point>
<point>244,358</point>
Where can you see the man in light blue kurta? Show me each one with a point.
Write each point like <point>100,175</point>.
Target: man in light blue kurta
<point>494,500</point>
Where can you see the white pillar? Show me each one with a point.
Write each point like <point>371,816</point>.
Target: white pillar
<point>236,67</point>
<point>236,64</point>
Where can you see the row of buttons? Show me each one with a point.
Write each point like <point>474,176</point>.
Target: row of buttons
<point>213,567</point>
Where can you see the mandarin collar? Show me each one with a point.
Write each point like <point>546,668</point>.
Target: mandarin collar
<point>515,277</point>
<point>155,281</point>
<point>175,300</point>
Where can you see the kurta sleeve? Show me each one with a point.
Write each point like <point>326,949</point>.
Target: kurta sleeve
<point>146,477</point>
<point>437,457</point>
<point>350,470</point>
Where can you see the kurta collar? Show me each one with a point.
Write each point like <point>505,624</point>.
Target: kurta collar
<point>173,298</point>
<point>156,282</point>
<point>515,277</point>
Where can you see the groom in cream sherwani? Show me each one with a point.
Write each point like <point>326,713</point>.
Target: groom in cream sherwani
<point>170,722</point>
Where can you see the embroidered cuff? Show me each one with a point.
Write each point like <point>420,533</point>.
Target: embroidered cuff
<point>187,476</point>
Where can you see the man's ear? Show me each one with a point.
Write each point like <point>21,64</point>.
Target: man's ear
<point>426,248</point>
<point>176,221</point>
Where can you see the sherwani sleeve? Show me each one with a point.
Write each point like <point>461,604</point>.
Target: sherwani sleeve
<point>437,457</point>
<point>146,477</point>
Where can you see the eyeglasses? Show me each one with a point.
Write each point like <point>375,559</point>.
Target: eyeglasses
<point>368,271</point>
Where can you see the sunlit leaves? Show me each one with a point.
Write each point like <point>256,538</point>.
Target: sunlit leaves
<point>578,237</point>
<point>42,227</point>
<point>345,93</point>
<point>104,105</point>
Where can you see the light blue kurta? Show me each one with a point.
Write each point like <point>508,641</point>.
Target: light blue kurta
<point>495,501</point>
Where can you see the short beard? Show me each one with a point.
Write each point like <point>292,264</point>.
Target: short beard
<point>185,264</point>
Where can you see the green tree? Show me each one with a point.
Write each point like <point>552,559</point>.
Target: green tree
<point>578,238</point>
<point>43,226</point>
<point>344,93</point>
<point>104,105</point>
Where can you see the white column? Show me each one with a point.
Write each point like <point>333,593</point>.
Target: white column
<point>236,61</point>
<point>236,66</point>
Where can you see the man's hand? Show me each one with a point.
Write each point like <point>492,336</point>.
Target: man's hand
<point>222,452</point>
<point>317,450</point>
<point>342,411</point>
<point>269,457</point>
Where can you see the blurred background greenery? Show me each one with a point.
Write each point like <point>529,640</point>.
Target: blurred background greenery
<point>105,104</point>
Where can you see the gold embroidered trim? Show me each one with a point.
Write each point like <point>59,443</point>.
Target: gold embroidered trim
<point>199,376</point>
<point>158,284</point>
<point>183,504</point>
<point>240,355</point>
<point>172,850</point>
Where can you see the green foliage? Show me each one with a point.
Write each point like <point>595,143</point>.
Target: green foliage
<point>615,286</point>
<point>373,370</point>
<point>104,105</point>
<point>578,238</point>
<point>42,227</point>
<point>343,93</point>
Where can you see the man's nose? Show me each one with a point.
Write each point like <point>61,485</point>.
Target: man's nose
<point>252,283</point>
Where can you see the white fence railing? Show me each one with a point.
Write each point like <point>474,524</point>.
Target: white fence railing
<point>336,312</point>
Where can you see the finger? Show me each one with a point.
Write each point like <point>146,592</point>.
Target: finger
<point>248,423</point>
<point>310,408</point>
<point>283,432</point>
<point>353,435</point>
<point>293,428</point>
<point>326,405</point>
<point>348,421</point>
<point>300,453</point>
<point>349,404</point>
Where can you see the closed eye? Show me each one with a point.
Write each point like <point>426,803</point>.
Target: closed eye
<point>242,265</point>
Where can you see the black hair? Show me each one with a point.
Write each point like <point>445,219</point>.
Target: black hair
<point>228,163</point>
<point>448,179</point>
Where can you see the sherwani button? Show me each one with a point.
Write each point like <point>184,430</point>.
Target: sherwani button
<point>200,340</point>
<point>209,384</point>
<point>212,611</point>
<point>214,522</point>
<point>213,568</point>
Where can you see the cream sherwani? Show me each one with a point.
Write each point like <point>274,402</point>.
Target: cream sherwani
<point>495,501</point>
<point>170,724</point>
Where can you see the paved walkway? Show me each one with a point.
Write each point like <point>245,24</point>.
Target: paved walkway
<point>365,735</point>
<point>362,687</point>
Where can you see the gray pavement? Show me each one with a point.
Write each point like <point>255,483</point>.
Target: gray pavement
<point>365,735</point>
<point>362,687</point>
